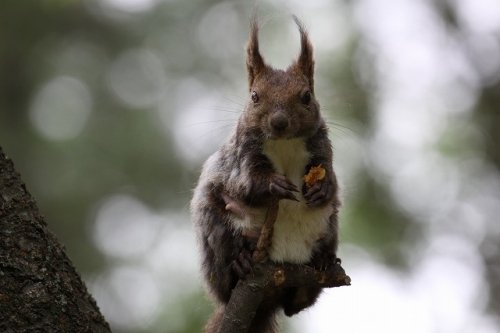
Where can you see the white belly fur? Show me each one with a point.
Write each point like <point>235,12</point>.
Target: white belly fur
<point>297,226</point>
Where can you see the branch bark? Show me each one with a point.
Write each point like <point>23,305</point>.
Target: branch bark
<point>266,234</point>
<point>40,290</point>
<point>268,277</point>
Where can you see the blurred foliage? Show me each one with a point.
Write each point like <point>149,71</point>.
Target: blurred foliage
<point>131,148</point>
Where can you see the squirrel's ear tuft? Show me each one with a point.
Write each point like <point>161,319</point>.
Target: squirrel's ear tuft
<point>305,62</point>
<point>255,63</point>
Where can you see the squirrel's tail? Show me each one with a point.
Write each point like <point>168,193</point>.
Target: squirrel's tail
<point>263,322</point>
<point>215,320</point>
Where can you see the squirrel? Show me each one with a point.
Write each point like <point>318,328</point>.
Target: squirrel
<point>279,136</point>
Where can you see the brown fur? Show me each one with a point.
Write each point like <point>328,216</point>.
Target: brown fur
<point>282,106</point>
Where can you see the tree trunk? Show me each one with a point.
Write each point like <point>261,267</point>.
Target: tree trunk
<point>40,290</point>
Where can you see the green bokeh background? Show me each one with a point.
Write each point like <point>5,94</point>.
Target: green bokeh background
<point>133,149</point>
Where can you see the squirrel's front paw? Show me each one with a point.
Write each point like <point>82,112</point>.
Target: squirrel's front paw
<point>282,188</point>
<point>319,194</point>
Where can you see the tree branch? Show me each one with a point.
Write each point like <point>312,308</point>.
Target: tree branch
<point>267,277</point>
<point>266,234</point>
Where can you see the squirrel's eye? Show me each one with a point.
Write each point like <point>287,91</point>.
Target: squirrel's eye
<point>306,97</point>
<point>255,96</point>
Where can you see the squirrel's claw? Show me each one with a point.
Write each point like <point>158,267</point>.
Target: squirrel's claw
<point>319,194</point>
<point>242,264</point>
<point>283,188</point>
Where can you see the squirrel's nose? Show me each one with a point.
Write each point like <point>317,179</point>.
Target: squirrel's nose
<point>279,121</point>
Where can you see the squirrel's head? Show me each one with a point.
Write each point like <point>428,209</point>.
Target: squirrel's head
<point>282,102</point>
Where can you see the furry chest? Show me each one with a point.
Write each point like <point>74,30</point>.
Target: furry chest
<point>297,227</point>
<point>289,157</point>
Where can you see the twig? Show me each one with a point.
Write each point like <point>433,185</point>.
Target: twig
<point>261,253</point>
<point>268,276</point>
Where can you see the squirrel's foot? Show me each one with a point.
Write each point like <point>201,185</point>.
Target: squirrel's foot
<point>324,261</point>
<point>242,265</point>
<point>234,206</point>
